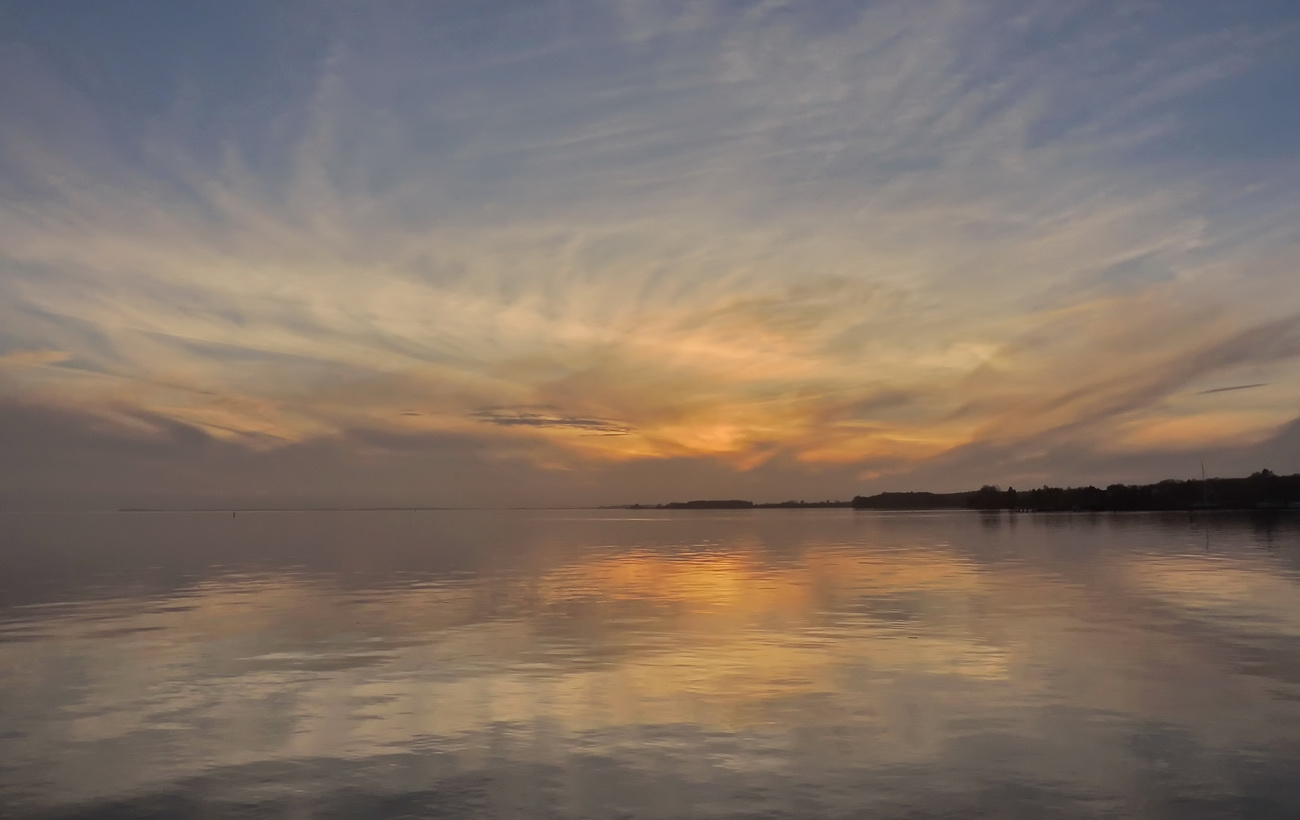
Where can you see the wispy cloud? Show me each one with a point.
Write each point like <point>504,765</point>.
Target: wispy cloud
<point>1234,387</point>
<point>766,233</point>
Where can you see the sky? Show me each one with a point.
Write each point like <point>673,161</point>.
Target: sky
<point>561,252</point>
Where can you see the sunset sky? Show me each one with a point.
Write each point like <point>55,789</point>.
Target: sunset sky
<point>554,252</point>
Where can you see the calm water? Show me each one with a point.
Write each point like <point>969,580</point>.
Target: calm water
<point>768,663</point>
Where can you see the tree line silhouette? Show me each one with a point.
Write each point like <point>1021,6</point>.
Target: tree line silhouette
<point>1261,490</point>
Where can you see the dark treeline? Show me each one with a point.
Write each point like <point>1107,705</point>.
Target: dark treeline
<point>1262,490</point>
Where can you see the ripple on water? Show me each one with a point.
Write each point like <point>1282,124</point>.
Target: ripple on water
<point>658,665</point>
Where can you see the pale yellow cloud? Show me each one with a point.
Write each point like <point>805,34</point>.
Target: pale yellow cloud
<point>740,301</point>
<point>1198,432</point>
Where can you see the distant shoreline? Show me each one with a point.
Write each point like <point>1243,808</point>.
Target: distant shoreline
<point>1260,491</point>
<point>1294,509</point>
<point>1263,490</point>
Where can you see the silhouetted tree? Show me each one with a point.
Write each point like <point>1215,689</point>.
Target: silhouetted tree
<point>988,497</point>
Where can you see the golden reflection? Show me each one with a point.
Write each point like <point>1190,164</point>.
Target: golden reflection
<point>717,639</point>
<point>603,644</point>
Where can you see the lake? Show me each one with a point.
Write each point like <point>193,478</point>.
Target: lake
<point>649,664</point>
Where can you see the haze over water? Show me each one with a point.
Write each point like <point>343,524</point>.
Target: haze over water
<point>767,663</point>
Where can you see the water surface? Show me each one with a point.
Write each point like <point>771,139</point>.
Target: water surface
<point>764,663</point>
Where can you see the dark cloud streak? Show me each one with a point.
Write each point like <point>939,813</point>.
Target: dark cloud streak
<point>544,416</point>
<point>1234,387</point>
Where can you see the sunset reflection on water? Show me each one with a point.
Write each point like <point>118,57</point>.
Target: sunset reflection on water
<point>584,664</point>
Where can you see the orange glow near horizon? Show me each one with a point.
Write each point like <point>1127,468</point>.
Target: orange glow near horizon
<point>741,272</point>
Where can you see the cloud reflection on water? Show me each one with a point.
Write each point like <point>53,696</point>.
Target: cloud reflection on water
<point>755,649</point>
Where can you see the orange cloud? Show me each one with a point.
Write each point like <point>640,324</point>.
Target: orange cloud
<point>33,358</point>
